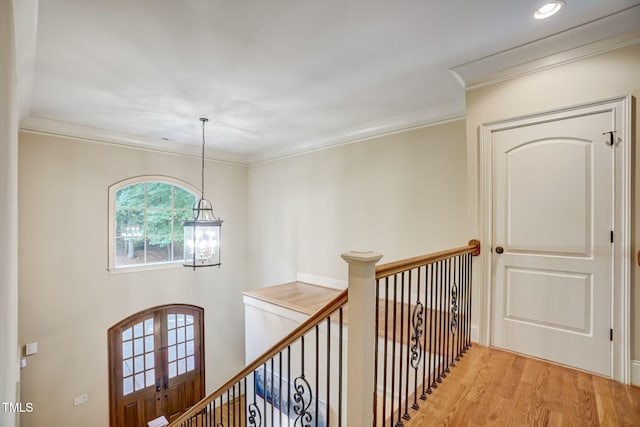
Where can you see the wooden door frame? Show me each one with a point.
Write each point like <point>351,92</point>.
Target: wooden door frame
<point>621,280</point>
<point>112,352</point>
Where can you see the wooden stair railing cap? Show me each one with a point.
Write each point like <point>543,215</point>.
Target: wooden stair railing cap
<point>389,269</point>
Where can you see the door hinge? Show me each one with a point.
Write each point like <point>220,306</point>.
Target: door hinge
<point>610,334</point>
<point>611,236</point>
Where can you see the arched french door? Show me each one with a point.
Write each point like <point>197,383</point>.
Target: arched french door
<point>156,364</point>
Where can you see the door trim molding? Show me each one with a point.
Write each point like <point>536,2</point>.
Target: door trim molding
<point>621,289</point>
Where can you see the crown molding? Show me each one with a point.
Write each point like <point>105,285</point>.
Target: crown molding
<point>602,35</point>
<point>70,130</point>
<point>437,115</point>
<point>443,114</point>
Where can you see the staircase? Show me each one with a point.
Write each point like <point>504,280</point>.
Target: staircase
<point>408,324</point>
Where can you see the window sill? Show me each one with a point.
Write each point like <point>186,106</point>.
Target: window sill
<point>145,267</point>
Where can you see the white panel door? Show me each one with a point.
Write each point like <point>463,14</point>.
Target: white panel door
<point>552,254</point>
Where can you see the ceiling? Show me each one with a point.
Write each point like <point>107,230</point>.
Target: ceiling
<point>283,76</point>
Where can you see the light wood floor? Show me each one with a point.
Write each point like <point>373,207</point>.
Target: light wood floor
<point>489,387</point>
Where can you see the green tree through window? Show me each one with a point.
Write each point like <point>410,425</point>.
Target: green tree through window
<point>148,223</point>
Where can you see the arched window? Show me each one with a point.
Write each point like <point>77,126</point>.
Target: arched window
<point>145,221</point>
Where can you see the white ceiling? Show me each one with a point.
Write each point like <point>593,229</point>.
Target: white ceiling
<point>277,77</point>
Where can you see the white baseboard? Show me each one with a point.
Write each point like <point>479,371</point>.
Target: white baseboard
<point>322,281</point>
<point>635,372</point>
<point>475,333</point>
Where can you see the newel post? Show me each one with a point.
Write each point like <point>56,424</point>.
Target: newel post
<point>361,344</point>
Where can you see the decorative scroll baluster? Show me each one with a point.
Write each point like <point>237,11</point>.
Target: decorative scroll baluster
<point>447,324</point>
<point>416,344</point>
<point>255,417</point>
<point>454,308</point>
<point>416,354</point>
<point>302,397</point>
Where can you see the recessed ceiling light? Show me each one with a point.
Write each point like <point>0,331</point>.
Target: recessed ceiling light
<point>548,9</point>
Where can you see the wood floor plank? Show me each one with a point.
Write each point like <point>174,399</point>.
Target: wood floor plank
<point>605,405</point>
<point>490,387</point>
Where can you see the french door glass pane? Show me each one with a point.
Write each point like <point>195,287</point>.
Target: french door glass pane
<point>181,343</point>
<point>138,352</point>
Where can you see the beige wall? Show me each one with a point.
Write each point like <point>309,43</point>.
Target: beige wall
<point>8,215</point>
<point>400,195</point>
<point>601,77</point>
<point>68,300</point>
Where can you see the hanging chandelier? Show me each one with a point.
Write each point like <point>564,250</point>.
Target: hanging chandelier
<point>202,233</point>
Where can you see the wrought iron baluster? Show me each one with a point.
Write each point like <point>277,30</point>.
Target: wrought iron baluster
<point>427,358</point>
<point>303,398</point>
<point>386,341</point>
<point>408,341</point>
<point>432,331</point>
<point>273,402</point>
<point>461,307</point>
<point>375,354</point>
<point>393,351</point>
<point>232,420</point>
<point>255,417</point>
<point>447,324</point>
<point>416,353</point>
<point>327,411</point>
<point>264,390</point>
<point>400,364</point>
<point>317,376</point>
<point>440,321</point>
<point>288,386</point>
<point>469,301</point>
<point>340,372</point>
<point>454,315</point>
<point>280,406</point>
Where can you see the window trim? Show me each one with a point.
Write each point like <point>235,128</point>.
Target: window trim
<point>111,215</point>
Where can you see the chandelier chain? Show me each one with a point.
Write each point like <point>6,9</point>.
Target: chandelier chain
<point>203,120</point>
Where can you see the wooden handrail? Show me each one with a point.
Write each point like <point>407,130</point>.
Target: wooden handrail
<point>302,329</point>
<point>391,268</point>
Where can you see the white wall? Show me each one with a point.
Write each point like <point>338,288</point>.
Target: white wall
<point>68,300</point>
<point>609,75</point>
<point>401,195</point>
<point>9,375</point>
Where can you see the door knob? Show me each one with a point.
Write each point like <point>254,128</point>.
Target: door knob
<point>499,249</point>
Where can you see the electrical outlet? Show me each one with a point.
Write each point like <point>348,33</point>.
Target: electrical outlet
<point>79,400</point>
